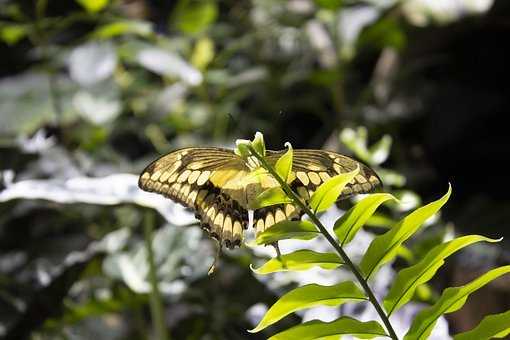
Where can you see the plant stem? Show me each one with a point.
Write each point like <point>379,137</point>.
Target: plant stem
<point>353,268</point>
<point>156,304</point>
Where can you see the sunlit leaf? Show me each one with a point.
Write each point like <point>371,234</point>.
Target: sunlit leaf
<point>348,225</point>
<point>495,326</point>
<point>283,165</point>
<point>451,300</point>
<point>270,197</point>
<point>385,247</point>
<point>310,296</point>
<point>203,53</point>
<point>13,33</point>
<point>258,144</point>
<point>123,27</point>
<point>93,6</point>
<point>315,330</point>
<point>380,221</point>
<point>327,193</point>
<point>300,260</point>
<point>298,230</point>
<point>195,17</point>
<point>410,278</point>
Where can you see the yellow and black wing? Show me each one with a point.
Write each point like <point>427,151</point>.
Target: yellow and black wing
<point>311,168</point>
<point>185,176</point>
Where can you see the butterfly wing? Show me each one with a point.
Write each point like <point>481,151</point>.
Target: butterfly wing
<point>193,177</point>
<point>311,168</point>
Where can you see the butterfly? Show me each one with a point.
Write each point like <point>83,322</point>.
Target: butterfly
<point>220,185</point>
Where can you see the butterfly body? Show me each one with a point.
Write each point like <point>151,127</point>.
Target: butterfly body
<point>220,185</point>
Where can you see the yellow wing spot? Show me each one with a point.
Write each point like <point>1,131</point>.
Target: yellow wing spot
<point>173,177</point>
<point>237,231</point>
<point>164,176</point>
<point>211,213</point>
<point>269,220</point>
<point>279,216</point>
<point>324,176</point>
<point>337,168</point>
<point>174,167</point>
<point>289,210</point>
<point>175,189</point>
<point>218,224</point>
<point>366,186</point>
<point>302,177</point>
<point>347,191</point>
<point>165,189</point>
<point>195,165</point>
<point>184,176</point>
<point>204,176</point>
<point>260,226</point>
<point>156,186</point>
<point>192,197</point>
<point>356,188</point>
<point>185,191</point>
<point>227,228</point>
<point>314,178</point>
<point>194,176</point>
<point>361,179</point>
<point>145,176</point>
<point>155,175</point>
<point>373,179</point>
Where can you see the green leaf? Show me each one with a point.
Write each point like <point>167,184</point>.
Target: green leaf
<point>451,300</point>
<point>258,144</point>
<point>13,33</point>
<point>114,29</point>
<point>203,53</point>
<point>310,296</point>
<point>410,278</point>
<point>385,247</point>
<point>270,197</point>
<point>195,16</point>
<point>327,193</point>
<point>283,165</point>
<point>348,225</point>
<point>329,4</point>
<point>93,6</point>
<point>300,260</point>
<point>492,326</point>
<point>298,230</point>
<point>242,148</point>
<point>315,330</point>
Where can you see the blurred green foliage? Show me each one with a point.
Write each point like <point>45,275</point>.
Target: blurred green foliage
<point>91,88</point>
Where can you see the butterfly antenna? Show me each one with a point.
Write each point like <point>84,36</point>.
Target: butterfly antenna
<point>216,259</point>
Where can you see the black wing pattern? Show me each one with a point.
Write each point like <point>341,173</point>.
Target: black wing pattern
<point>312,168</point>
<point>184,176</point>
